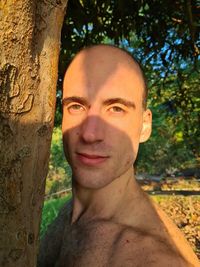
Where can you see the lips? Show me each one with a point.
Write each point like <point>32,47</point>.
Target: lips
<point>91,159</point>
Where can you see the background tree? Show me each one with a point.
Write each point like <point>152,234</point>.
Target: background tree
<point>29,41</point>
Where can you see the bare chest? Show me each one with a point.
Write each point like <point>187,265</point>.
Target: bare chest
<point>105,244</point>
<point>90,245</point>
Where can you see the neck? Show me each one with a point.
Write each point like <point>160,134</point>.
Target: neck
<point>104,203</point>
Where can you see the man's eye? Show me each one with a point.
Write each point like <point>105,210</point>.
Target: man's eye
<point>116,109</point>
<point>75,108</point>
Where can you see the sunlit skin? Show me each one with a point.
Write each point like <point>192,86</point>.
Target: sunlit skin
<point>110,221</point>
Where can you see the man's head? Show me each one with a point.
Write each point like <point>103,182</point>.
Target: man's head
<point>104,114</point>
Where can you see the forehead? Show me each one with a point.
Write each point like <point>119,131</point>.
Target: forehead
<point>103,72</point>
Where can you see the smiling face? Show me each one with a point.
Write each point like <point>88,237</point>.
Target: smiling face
<point>103,116</point>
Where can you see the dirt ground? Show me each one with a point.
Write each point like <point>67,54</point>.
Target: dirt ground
<point>183,210</point>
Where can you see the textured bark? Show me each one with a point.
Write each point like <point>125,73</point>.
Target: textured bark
<point>29,41</point>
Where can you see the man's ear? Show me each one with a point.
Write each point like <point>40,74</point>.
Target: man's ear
<point>147,126</point>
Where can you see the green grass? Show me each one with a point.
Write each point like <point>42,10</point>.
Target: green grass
<point>50,211</point>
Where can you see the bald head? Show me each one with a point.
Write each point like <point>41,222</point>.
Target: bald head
<point>102,62</point>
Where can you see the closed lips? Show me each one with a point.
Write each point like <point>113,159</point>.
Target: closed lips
<point>91,156</point>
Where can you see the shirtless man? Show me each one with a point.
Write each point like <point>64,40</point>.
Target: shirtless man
<point>110,221</point>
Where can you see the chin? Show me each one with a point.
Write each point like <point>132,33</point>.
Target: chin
<point>91,179</point>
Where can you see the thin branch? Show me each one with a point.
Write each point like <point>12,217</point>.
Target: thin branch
<point>177,20</point>
<point>192,26</point>
<point>57,194</point>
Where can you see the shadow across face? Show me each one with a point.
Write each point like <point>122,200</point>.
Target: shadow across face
<point>98,152</point>
<point>103,115</point>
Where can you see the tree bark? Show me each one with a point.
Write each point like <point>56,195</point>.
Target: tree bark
<point>29,40</point>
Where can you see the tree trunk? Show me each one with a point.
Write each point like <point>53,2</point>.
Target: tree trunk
<point>29,40</point>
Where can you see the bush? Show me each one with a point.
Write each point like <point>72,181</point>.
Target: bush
<point>50,212</point>
<point>166,152</point>
<point>59,176</point>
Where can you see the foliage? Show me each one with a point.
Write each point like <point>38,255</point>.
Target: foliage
<point>167,31</point>
<point>50,212</point>
<point>89,22</point>
<point>164,153</point>
<point>59,171</point>
<point>174,143</point>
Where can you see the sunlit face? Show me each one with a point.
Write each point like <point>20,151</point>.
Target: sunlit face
<point>103,117</point>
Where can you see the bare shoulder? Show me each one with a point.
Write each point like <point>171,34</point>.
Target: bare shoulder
<point>51,243</point>
<point>134,247</point>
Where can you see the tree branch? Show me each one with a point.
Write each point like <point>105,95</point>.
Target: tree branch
<point>192,26</point>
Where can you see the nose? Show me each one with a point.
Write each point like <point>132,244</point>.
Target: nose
<point>92,129</point>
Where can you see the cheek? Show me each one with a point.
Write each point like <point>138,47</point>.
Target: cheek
<point>125,149</point>
<point>70,138</point>
<point>71,121</point>
<point>129,148</point>
<point>65,144</point>
<point>69,144</point>
<point>135,132</point>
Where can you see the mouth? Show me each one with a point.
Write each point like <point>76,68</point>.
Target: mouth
<point>91,159</point>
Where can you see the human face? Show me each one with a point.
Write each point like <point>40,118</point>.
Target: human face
<point>103,119</point>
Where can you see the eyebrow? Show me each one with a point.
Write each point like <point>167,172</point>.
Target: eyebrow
<point>120,100</point>
<point>78,99</point>
<point>109,101</point>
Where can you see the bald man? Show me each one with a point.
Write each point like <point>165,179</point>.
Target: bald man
<point>110,221</point>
